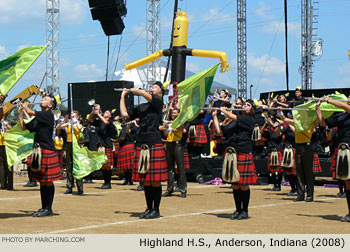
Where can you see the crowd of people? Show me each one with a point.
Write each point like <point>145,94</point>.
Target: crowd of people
<point>141,144</point>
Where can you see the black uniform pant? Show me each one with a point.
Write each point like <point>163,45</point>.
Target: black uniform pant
<point>6,176</point>
<point>304,157</point>
<point>175,154</point>
<point>69,169</point>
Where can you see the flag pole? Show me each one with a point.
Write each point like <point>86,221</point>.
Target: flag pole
<point>70,115</point>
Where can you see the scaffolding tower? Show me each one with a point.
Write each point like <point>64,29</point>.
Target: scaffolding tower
<point>53,46</point>
<point>153,42</point>
<point>242,48</point>
<point>309,21</point>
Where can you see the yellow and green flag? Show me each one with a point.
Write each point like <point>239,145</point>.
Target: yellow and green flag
<point>86,161</point>
<point>193,93</point>
<point>18,144</point>
<point>305,119</point>
<point>13,67</point>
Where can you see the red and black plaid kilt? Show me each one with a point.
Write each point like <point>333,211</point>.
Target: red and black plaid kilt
<point>292,170</point>
<point>201,135</point>
<point>334,163</point>
<point>158,167</point>
<point>50,167</point>
<point>187,160</point>
<point>275,168</point>
<point>316,167</point>
<point>116,149</point>
<point>125,159</point>
<point>212,131</point>
<point>29,161</point>
<point>175,93</point>
<point>108,165</point>
<point>246,168</point>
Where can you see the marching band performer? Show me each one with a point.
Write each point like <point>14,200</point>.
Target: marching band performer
<point>77,127</point>
<point>45,164</point>
<point>150,160</point>
<point>175,154</point>
<point>239,151</point>
<point>343,124</point>
<point>106,132</point>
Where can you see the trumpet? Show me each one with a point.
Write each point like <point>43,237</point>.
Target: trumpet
<point>92,103</point>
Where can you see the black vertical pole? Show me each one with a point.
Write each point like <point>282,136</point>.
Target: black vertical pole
<point>286,42</point>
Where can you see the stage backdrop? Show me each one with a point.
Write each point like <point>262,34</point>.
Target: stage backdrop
<point>103,93</point>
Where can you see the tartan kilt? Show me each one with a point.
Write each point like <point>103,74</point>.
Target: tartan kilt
<point>201,135</point>
<point>175,94</point>
<point>316,167</point>
<point>246,168</point>
<point>29,161</point>
<point>292,170</point>
<point>108,165</point>
<point>187,160</point>
<point>212,131</point>
<point>116,149</point>
<point>275,168</point>
<point>334,163</point>
<point>158,171</point>
<point>125,159</point>
<point>50,167</point>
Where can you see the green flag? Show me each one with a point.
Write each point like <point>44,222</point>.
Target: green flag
<point>18,144</point>
<point>13,67</point>
<point>305,119</point>
<point>86,161</point>
<point>193,93</point>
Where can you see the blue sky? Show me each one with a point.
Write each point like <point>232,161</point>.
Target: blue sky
<point>212,26</point>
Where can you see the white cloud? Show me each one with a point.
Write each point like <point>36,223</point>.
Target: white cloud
<point>86,37</point>
<point>272,24</point>
<point>3,52</point>
<point>29,12</point>
<point>214,16</point>
<point>139,30</point>
<point>344,69</point>
<point>89,71</point>
<point>269,66</point>
<point>22,47</point>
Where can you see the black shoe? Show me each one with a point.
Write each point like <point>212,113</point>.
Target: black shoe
<point>106,186</point>
<point>154,214</point>
<point>31,184</point>
<point>183,195</point>
<point>35,214</point>
<point>10,188</point>
<point>299,199</point>
<point>88,181</point>
<point>278,189</point>
<point>148,211</point>
<point>140,188</point>
<point>68,191</point>
<point>293,193</point>
<point>273,188</point>
<point>125,182</point>
<point>44,213</point>
<point>346,218</point>
<point>130,183</point>
<point>243,215</point>
<point>235,215</point>
<point>167,194</point>
<point>341,195</point>
<point>3,188</point>
<point>80,192</point>
<point>309,199</point>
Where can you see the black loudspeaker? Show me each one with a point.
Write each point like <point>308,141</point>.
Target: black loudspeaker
<point>103,93</point>
<point>109,13</point>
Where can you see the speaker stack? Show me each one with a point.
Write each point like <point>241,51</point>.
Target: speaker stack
<point>109,13</point>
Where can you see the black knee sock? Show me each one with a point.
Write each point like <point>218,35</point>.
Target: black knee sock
<point>149,197</point>
<point>341,184</point>
<point>50,195</point>
<point>293,182</point>
<point>273,179</point>
<point>157,196</point>
<point>245,198</point>
<point>43,196</point>
<point>238,199</point>
<point>279,179</point>
<point>348,198</point>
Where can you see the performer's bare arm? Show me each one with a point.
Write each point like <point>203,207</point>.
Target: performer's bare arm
<point>20,118</point>
<point>228,114</point>
<point>338,104</point>
<point>319,114</point>
<point>123,110</point>
<point>216,122</point>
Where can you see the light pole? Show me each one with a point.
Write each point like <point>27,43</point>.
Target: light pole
<point>250,90</point>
